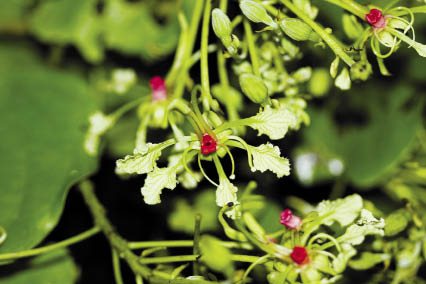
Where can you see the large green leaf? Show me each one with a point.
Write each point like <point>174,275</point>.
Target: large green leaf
<point>70,22</point>
<point>44,116</point>
<point>54,267</point>
<point>368,151</point>
<point>128,27</point>
<point>131,28</point>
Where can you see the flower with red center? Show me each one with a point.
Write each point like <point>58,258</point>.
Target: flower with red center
<point>289,220</point>
<point>376,19</point>
<point>208,145</point>
<point>299,255</point>
<point>158,86</point>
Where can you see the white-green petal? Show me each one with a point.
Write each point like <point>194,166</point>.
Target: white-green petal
<point>343,81</point>
<point>143,160</point>
<point>343,210</point>
<point>267,157</point>
<point>366,225</point>
<point>155,182</point>
<point>420,48</point>
<point>273,122</point>
<point>226,192</point>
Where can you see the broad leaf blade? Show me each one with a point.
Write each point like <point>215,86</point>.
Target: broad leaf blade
<point>54,267</point>
<point>44,117</point>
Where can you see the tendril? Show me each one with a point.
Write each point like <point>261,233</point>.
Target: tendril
<point>232,176</point>
<point>202,171</point>
<point>185,164</point>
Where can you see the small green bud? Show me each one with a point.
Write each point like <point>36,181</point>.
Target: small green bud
<point>222,26</point>
<point>256,13</point>
<point>290,49</point>
<point>243,67</point>
<point>320,82</point>
<point>334,67</point>
<point>343,81</point>
<point>396,223</point>
<point>302,74</point>
<point>276,277</point>
<point>310,275</point>
<point>254,88</point>
<point>353,29</point>
<point>361,70</point>
<point>298,30</point>
<point>291,91</point>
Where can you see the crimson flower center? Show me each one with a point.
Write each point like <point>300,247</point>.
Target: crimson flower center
<point>299,255</point>
<point>208,145</point>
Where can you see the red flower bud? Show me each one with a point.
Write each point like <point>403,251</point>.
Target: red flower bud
<point>208,145</point>
<point>289,220</point>
<point>299,255</point>
<point>376,19</point>
<point>158,86</point>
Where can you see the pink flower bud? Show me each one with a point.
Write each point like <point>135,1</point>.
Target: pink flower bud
<point>158,86</point>
<point>299,255</point>
<point>289,220</point>
<point>376,19</point>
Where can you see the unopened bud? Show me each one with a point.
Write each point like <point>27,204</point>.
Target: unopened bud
<point>222,26</point>
<point>361,70</point>
<point>298,30</point>
<point>255,12</point>
<point>254,88</point>
<point>334,67</point>
<point>320,82</point>
<point>343,81</point>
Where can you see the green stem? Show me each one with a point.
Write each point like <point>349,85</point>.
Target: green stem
<point>153,244</point>
<point>192,34</point>
<point>169,259</point>
<point>32,252</point>
<point>205,83</point>
<point>121,245</point>
<point>204,127</point>
<point>125,108</point>
<point>196,249</point>
<point>252,48</point>
<point>351,6</point>
<point>190,258</point>
<point>235,123</point>
<point>260,260</point>
<point>116,267</point>
<point>329,39</point>
<point>181,50</point>
<point>116,241</point>
<point>223,5</point>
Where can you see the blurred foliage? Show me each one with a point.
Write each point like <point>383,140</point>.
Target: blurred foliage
<point>388,122</point>
<point>44,119</point>
<point>54,267</point>
<point>131,28</point>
